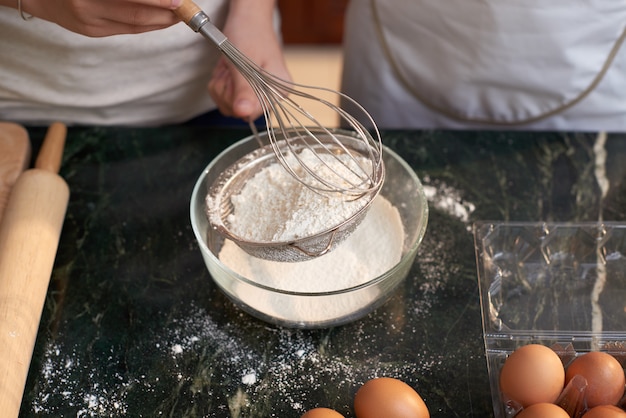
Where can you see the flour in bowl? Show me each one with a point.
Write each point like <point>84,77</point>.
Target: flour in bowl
<point>274,207</point>
<point>372,249</point>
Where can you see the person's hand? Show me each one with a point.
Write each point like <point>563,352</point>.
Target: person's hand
<point>251,30</point>
<point>98,18</point>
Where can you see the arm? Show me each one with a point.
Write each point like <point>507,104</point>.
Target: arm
<point>97,18</point>
<point>250,27</point>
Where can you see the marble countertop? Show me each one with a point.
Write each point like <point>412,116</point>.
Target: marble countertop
<point>133,325</point>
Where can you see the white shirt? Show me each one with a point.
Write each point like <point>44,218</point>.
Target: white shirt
<point>514,64</point>
<point>50,74</point>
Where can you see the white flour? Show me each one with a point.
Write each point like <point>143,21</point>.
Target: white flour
<point>449,200</point>
<point>273,206</point>
<point>373,248</point>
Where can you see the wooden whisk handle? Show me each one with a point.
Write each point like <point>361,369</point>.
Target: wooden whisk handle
<point>187,10</point>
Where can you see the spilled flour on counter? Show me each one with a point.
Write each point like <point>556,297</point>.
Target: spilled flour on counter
<point>195,360</point>
<point>373,248</point>
<point>447,199</point>
<point>274,206</point>
<point>65,380</point>
<point>287,370</point>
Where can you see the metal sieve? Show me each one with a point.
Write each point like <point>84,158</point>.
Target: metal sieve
<point>233,179</point>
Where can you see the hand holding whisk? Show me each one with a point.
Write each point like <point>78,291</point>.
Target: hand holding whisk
<point>288,109</point>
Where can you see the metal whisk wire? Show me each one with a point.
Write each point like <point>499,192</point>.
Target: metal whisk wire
<point>298,128</point>
<point>291,128</point>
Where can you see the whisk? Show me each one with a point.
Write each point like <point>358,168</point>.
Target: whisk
<point>291,119</point>
<point>292,128</point>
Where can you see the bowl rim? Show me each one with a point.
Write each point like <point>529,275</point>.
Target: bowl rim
<point>407,257</point>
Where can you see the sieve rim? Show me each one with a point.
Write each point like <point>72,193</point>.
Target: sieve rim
<point>249,162</point>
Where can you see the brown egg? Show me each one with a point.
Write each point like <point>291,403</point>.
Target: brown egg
<point>386,397</point>
<point>604,374</point>
<point>322,413</point>
<point>543,410</point>
<point>532,374</point>
<point>605,411</point>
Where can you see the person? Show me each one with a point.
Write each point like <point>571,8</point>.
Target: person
<point>129,62</point>
<point>463,64</point>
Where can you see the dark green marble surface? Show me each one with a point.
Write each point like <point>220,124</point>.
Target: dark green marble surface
<point>134,327</point>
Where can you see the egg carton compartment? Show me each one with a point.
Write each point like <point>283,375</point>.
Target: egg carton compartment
<point>572,397</point>
<point>562,285</point>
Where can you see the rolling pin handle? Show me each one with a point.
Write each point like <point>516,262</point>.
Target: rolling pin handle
<point>51,153</point>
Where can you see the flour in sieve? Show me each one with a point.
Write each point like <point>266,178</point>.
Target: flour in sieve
<point>273,206</point>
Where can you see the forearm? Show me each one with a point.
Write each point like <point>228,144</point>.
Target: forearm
<point>101,18</point>
<point>251,27</point>
<point>243,13</point>
<point>255,7</point>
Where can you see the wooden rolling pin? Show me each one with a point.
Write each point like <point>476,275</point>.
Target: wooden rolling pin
<point>29,237</point>
<point>14,158</point>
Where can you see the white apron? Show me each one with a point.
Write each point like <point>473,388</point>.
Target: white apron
<point>518,64</point>
<point>48,73</point>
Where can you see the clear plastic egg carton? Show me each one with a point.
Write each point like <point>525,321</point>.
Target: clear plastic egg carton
<point>558,284</point>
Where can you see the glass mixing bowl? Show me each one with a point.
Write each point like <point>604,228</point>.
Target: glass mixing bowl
<point>402,188</point>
